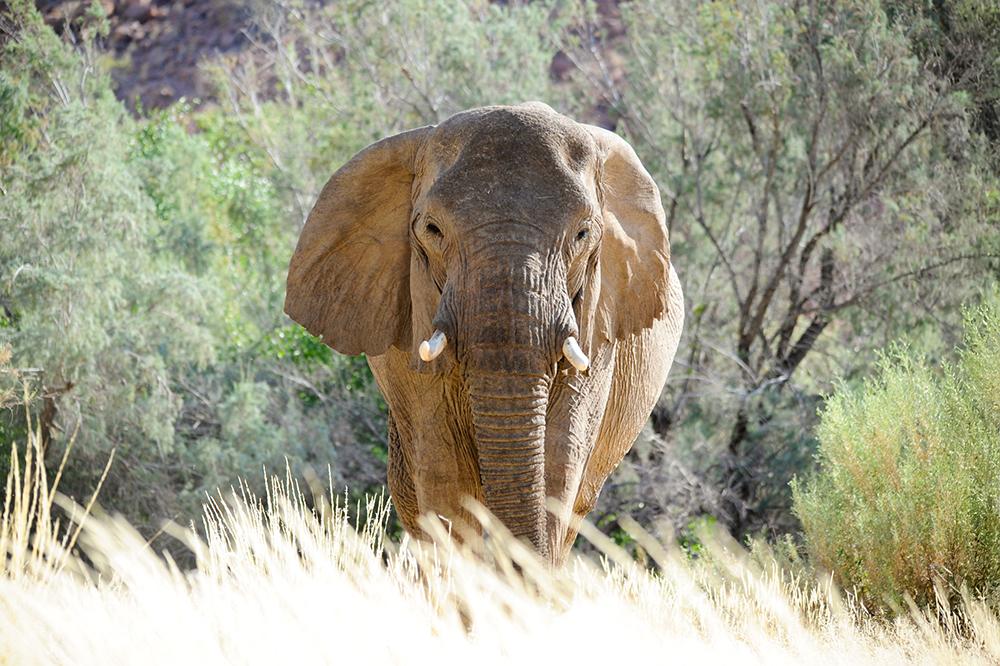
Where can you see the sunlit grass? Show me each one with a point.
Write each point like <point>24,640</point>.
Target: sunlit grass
<point>280,579</point>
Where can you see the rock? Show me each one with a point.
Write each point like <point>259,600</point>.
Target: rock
<point>128,32</point>
<point>158,56</point>
<point>561,66</point>
<point>162,42</point>
<point>137,10</point>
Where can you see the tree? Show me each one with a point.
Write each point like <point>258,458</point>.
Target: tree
<point>821,187</point>
<point>959,42</point>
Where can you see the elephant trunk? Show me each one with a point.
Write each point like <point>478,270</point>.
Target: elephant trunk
<point>508,415</point>
<point>511,343</point>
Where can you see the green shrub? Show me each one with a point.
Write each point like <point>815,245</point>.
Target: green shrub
<point>141,279</point>
<point>908,491</point>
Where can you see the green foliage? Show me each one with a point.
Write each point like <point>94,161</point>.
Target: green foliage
<point>960,40</point>
<point>824,191</point>
<point>141,281</point>
<point>86,294</point>
<point>906,494</point>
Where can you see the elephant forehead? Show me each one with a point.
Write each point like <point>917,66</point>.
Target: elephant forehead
<point>476,189</point>
<point>514,133</point>
<point>511,160</point>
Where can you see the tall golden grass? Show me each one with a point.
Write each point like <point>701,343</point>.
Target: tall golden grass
<point>280,579</point>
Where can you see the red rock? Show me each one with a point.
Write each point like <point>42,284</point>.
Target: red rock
<point>137,10</point>
<point>130,31</point>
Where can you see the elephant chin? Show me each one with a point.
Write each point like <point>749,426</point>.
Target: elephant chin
<point>508,413</point>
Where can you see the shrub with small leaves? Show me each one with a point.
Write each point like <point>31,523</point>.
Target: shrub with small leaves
<point>906,497</point>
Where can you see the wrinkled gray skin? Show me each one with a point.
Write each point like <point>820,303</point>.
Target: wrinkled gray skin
<point>508,229</point>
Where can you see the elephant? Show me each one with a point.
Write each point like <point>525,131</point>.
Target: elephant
<point>507,274</point>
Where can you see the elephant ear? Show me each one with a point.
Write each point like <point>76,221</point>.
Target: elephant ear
<point>635,250</point>
<point>348,280</point>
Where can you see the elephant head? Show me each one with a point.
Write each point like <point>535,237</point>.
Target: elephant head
<point>502,248</point>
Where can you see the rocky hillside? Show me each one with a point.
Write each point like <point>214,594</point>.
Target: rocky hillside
<point>159,43</point>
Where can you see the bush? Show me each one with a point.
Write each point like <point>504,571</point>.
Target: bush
<point>906,496</point>
<point>141,278</point>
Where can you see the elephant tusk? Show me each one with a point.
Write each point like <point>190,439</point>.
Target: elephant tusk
<point>431,349</point>
<point>573,353</point>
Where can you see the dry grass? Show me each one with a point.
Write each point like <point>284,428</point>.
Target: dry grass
<point>278,582</point>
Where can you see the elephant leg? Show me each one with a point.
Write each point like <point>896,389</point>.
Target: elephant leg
<point>404,494</point>
<point>609,451</point>
<point>445,476</point>
<point>641,366</point>
<point>576,404</point>
<point>432,460</point>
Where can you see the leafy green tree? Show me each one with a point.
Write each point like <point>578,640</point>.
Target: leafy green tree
<point>960,41</point>
<point>824,192</point>
<point>89,306</point>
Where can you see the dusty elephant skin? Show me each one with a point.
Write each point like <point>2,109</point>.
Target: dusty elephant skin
<point>508,275</point>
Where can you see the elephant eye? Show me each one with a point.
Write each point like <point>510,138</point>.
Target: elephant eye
<point>433,230</point>
<point>582,234</point>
